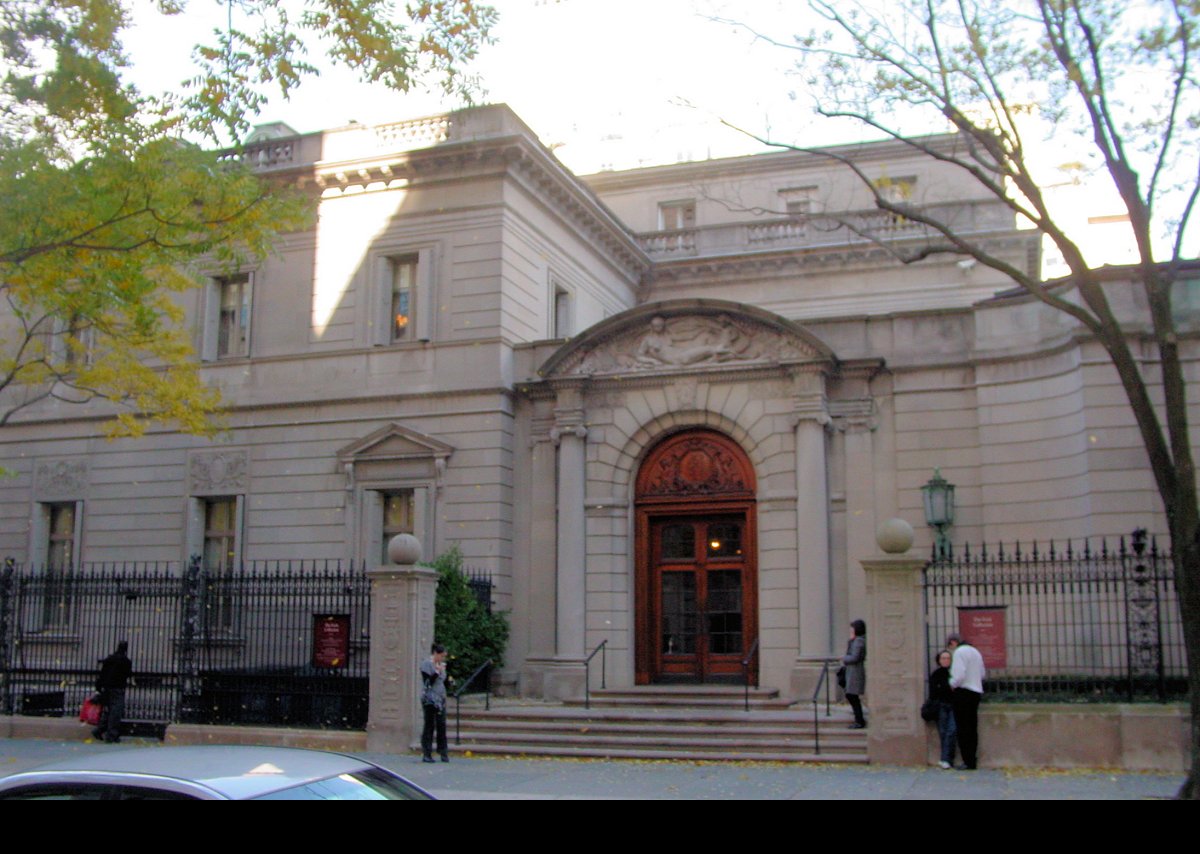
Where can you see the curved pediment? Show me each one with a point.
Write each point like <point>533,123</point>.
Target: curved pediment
<point>686,335</point>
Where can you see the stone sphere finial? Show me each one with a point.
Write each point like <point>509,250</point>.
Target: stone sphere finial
<point>895,536</point>
<point>404,549</point>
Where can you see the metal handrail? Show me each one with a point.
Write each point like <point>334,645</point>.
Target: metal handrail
<point>746,670</point>
<point>587,672</point>
<point>822,681</point>
<point>487,703</point>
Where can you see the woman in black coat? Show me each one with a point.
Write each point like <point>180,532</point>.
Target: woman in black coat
<point>940,693</point>
<point>855,662</point>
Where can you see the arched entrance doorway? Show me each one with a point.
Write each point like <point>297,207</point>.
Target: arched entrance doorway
<point>696,570</point>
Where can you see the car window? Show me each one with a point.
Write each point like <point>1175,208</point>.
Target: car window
<point>91,792</point>
<point>58,792</point>
<point>371,784</point>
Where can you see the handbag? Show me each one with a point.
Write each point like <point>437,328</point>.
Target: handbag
<point>90,711</point>
<point>841,676</point>
<point>929,710</point>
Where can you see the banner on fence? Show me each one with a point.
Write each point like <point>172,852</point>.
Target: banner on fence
<point>984,626</point>
<point>331,640</point>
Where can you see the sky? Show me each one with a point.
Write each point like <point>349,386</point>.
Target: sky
<point>607,83</point>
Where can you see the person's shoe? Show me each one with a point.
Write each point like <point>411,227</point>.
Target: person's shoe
<point>445,758</point>
<point>428,759</point>
<point>944,765</point>
<point>858,725</point>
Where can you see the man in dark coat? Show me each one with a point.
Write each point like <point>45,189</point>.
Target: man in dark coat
<point>114,675</point>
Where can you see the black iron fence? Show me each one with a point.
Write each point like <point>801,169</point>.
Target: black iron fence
<point>274,642</point>
<point>1080,622</point>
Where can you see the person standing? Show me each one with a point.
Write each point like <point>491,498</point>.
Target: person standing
<point>966,682</point>
<point>114,676</point>
<point>943,696</point>
<point>855,662</point>
<point>433,703</point>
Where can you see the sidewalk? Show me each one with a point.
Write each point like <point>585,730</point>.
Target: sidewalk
<point>543,779</point>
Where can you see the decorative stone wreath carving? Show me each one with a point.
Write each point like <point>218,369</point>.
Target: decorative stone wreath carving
<point>218,473</point>
<point>60,479</point>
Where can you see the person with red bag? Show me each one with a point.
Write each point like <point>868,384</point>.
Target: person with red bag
<point>114,675</point>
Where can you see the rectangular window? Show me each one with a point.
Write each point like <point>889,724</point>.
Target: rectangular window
<point>798,201</point>
<point>562,313</point>
<point>398,518</point>
<point>233,295</point>
<point>676,216</point>
<point>222,534</point>
<point>403,297</point>
<point>69,343</point>
<point>403,289</point>
<point>63,521</point>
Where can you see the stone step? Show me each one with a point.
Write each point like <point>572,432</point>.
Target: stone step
<point>723,732</point>
<point>685,722</point>
<point>526,742</point>
<point>590,751</point>
<point>689,696</point>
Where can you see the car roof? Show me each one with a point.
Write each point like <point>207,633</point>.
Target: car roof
<point>232,771</point>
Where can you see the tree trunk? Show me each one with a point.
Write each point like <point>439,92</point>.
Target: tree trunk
<point>1186,551</point>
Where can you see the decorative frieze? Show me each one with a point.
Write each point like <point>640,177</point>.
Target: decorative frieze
<point>218,473</point>
<point>688,342</point>
<point>62,479</point>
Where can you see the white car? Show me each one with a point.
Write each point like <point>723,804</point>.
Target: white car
<point>211,772</point>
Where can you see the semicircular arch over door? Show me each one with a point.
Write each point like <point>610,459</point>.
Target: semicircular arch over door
<point>696,585</point>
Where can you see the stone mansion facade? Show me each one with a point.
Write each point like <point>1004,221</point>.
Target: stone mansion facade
<point>666,407</point>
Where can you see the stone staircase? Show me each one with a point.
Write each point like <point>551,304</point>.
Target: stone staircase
<point>661,722</point>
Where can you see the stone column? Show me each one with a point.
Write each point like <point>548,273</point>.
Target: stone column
<point>402,602</point>
<point>811,419</point>
<point>542,608</point>
<point>566,677</point>
<point>895,649</point>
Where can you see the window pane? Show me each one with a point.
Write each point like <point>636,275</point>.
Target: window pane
<point>397,517</point>
<point>233,324</point>
<point>678,541</point>
<point>404,278</point>
<point>679,613</point>
<point>724,539</point>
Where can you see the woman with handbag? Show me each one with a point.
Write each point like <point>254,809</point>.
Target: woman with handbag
<point>433,703</point>
<point>855,664</point>
<point>940,698</point>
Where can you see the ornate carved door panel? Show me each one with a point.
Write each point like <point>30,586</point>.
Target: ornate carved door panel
<point>697,608</point>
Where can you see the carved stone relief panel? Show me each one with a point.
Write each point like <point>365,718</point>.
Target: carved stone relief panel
<point>60,480</point>
<point>218,473</point>
<point>689,341</point>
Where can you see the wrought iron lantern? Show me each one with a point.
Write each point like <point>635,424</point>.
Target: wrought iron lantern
<point>938,496</point>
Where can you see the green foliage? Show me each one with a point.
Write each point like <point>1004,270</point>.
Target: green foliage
<point>470,634</point>
<point>108,213</point>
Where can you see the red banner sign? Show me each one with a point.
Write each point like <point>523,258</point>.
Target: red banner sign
<point>984,626</point>
<point>331,640</point>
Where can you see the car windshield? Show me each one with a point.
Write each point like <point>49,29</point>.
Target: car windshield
<point>369,784</point>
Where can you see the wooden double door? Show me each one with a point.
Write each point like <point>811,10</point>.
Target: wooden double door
<point>697,603</point>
